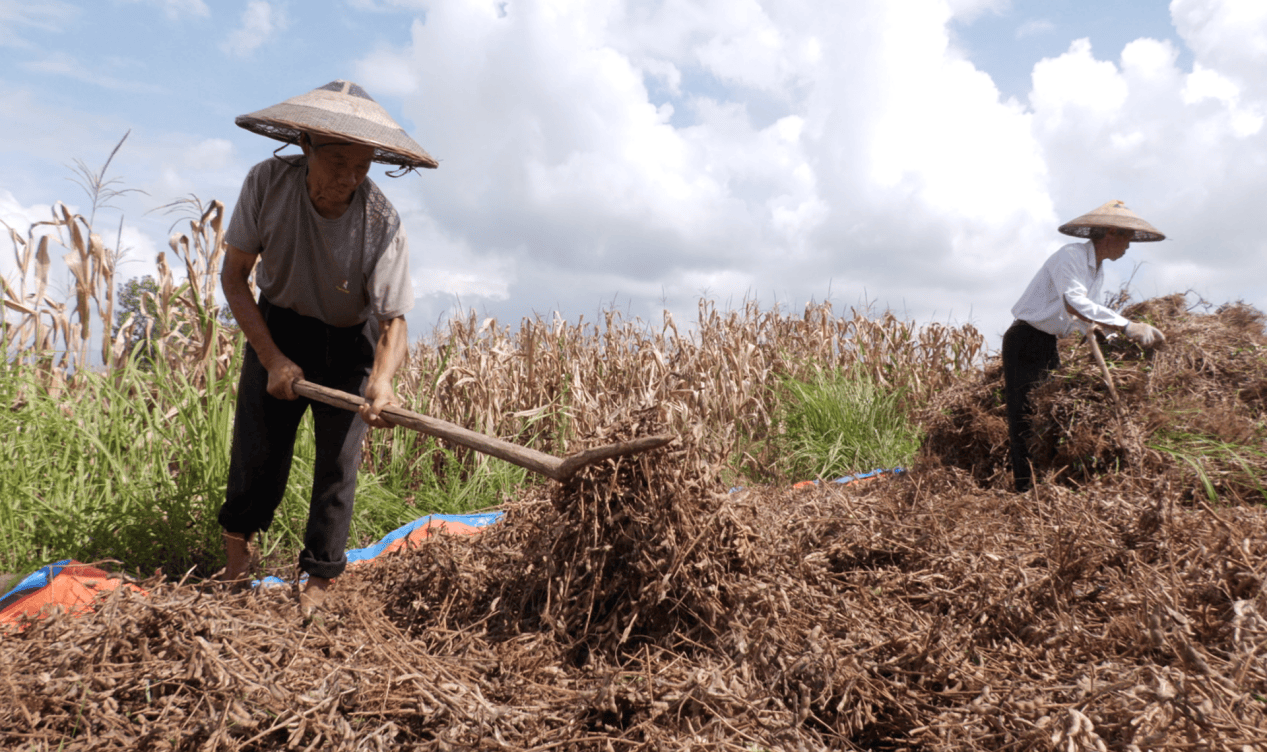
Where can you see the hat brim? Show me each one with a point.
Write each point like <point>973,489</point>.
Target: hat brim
<point>343,110</point>
<point>1142,235</point>
<point>1112,216</point>
<point>387,144</point>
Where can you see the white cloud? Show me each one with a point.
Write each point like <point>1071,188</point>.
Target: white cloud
<point>967,9</point>
<point>1181,148</point>
<point>1204,83</point>
<point>21,219</point>
<point>176,8</point>
<point>1228,35</point>
<point>28,222</point>
<point>383,6</point>
<point>1077,88</point>
<point>874,161</point>
<point>49,15</point>
<point>58,63</point>
<point>1035,27</point>
<point>654,152</point>
<point>209,168</point>
<point>260,21</point>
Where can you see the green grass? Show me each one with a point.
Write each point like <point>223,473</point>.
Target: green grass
<point>840,424</point>
<point>134,469</point>
<point>1215,462</point>
<point>111,474</point>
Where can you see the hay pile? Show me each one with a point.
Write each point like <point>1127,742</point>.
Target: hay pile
<point>1191,417</point>
<point>641,608</point>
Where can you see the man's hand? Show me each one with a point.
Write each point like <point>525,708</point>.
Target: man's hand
<point>393,345</point>
<point>235,276</point>
<point>281,378</point>
<point>377,397</point>
<point>1144,335</point>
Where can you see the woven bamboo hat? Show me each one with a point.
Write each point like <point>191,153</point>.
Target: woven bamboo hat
<point>340,109</point>
<point>1113,215</point>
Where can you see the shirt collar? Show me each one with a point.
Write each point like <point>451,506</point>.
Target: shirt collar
<point>1088,248</point>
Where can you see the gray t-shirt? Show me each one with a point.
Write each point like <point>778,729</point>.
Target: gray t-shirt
<point>341,271</point>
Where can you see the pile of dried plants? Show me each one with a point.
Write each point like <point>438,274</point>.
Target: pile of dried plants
<point>1189,416</point>
<point>641,607</point>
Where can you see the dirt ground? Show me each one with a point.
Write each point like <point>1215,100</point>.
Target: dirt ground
<point>1119,605</point>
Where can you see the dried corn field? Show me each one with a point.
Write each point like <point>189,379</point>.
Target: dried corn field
<point>551,382</point>
<point>546,384</point>
<point>641,607</point>
<point>55,335</point>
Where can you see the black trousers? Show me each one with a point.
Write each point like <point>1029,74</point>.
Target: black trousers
<point>264,431</point>
<point>1028,356</point>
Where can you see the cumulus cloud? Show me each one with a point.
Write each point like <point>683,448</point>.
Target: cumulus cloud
<point>19,280</point>
<point>1228,35</point>
<point>16,217</point>
<point>969,8</point>
<point>382,6</point>
<point>644,154</point>
<point>210,167</point>
<point>260,21</point>
<point>874,162</point>
<point>1182,148</point>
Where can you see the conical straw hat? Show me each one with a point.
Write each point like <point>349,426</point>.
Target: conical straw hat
<point>340,109</point>
<point>1114,214</point>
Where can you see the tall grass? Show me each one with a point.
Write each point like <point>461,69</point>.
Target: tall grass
<point>839,425</point>
<point>132,466</point>
<point>128,468</point>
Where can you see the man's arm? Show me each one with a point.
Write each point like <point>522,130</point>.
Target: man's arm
<point>235,277</point>
<point>1068,279</point>
<point>393,346</point>
<point>1145,335</point>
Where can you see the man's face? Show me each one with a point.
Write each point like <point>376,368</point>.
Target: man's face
<point>336,168</point>
<point>1114,244</point>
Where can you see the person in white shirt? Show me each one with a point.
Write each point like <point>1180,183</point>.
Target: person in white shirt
<point>1060,300</point>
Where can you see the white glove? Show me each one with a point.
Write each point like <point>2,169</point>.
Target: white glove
<point>1144,335</point>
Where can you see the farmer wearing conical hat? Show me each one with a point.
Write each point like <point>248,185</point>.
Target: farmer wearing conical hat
<point>332,263</point>
<point>1061,299</point>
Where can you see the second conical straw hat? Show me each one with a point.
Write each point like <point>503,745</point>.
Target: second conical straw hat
<point>340,109</point>
<point>1113,215</point>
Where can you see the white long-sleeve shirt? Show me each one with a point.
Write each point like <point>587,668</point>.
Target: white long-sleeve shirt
<point>1068,274</point>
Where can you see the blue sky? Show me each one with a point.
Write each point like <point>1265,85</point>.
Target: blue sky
<point>915,155</point>
<point>1008,39</point>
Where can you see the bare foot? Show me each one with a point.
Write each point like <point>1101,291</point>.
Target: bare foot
<point>313,596</point>
<point>239,559</point>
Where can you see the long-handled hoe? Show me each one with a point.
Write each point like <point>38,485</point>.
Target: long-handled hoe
<point>1132,441</point>
<point>538,462</point>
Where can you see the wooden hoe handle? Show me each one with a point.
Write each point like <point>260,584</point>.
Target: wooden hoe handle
<point>525,457</point>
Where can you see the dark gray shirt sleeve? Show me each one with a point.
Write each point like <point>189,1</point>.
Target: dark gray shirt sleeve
<point>244,223</point>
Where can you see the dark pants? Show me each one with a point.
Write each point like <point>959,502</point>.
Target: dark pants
<point>264,431</point>
<point>1028,356</point>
